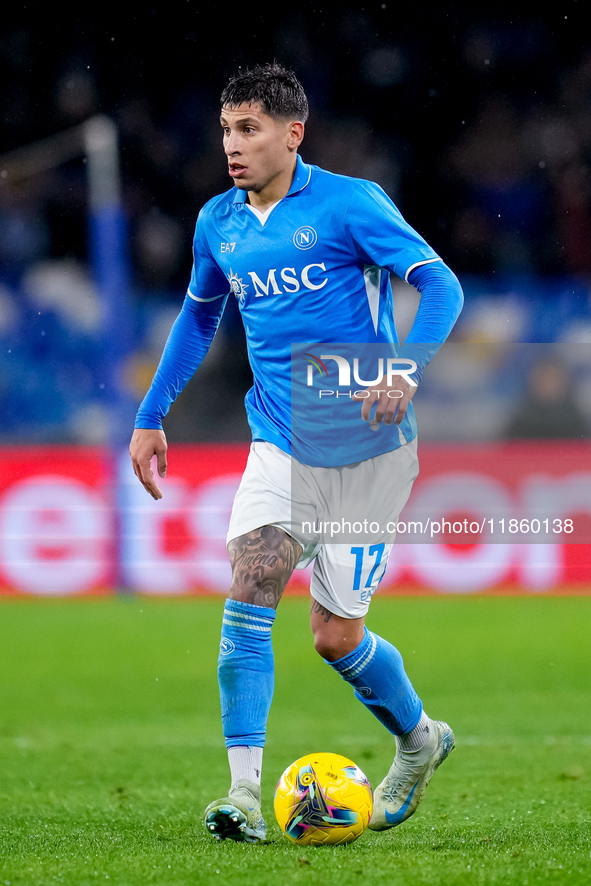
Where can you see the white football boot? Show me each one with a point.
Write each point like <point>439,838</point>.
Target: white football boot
<point>399,794</point>
<point>237,816</point>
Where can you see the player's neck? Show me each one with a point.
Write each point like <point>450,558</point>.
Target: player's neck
<point>274,191</point>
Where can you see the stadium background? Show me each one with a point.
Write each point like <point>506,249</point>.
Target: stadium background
<point>477,125</point>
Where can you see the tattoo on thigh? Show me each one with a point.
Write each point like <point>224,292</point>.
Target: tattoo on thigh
<point>262,562</point>
<point>318,609</point>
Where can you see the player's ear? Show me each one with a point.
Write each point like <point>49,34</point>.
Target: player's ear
<point>295,134</point>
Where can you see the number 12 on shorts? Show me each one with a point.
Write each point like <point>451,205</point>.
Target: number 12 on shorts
<point>375,551</point>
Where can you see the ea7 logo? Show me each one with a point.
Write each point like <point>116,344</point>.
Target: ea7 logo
<point>289,280</point>
<point>228,247</point>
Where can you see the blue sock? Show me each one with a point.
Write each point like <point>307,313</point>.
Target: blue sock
<point>376,671</point>
<point>246,672</point>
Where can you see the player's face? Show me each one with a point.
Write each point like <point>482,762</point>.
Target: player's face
<point>261,150</point>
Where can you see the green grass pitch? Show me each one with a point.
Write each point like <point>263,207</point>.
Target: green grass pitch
<point>110,744</point>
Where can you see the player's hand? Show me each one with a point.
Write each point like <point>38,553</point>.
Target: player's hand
<point>146,443</point>
<point>391,401</point>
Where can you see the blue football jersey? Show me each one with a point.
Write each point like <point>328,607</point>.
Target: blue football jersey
<point>315,269</point>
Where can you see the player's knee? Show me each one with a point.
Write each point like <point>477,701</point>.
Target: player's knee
<point>335,641</point>
<point>326,650</point>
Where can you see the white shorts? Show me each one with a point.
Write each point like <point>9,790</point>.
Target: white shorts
<point>345,573</point>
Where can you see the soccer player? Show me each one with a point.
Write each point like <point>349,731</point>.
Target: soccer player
<point>308,255</point>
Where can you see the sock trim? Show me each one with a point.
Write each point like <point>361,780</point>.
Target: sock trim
<point>234,623</point>
<point>355,662</point>
<point>248,616</point>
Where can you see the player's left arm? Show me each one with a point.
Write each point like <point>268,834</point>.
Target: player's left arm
<point>441,302</point>
<point>380,235</point>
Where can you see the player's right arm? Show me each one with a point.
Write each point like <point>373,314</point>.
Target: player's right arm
<point>187,344</point>
<point>146,443</point>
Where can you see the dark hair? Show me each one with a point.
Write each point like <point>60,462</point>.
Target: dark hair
<point>275,88</point>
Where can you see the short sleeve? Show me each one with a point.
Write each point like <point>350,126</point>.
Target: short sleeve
<point>380,235</point>
<point>207,279</point>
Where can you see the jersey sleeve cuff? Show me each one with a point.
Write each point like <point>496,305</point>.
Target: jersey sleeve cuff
<point>418,264</point>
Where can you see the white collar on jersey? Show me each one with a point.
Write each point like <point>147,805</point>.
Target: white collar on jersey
<point>262,216</point>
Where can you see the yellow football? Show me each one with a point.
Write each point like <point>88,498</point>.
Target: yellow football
<point>323,799</point>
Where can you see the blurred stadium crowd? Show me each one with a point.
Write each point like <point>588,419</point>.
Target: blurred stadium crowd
<point>477,125</point>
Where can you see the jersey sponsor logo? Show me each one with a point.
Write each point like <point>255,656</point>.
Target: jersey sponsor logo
<point>288,280</point>
<point>237,287</point>
<point>305,237</point>
<point>228,247</point>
